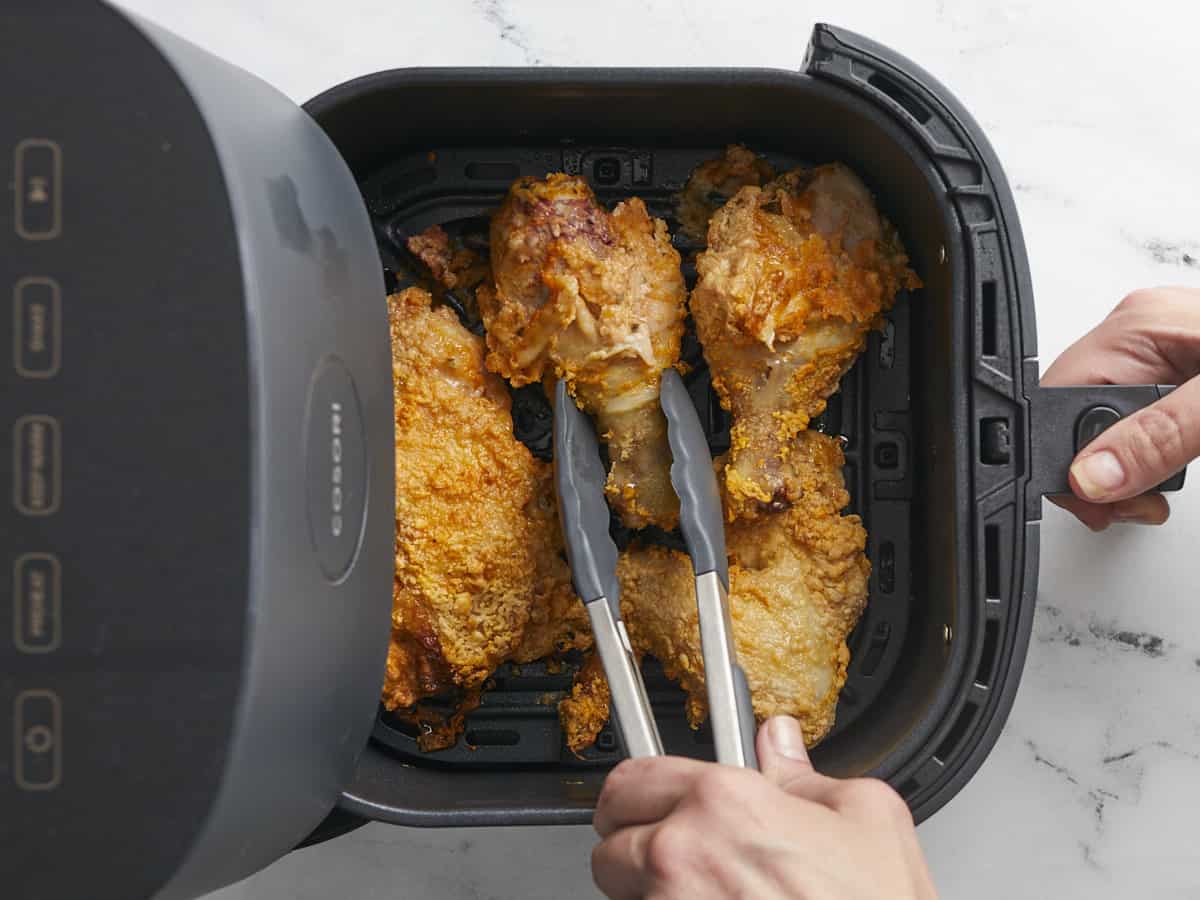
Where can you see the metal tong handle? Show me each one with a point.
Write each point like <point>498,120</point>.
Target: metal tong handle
<point>580,478</point>
<point>729,704</point>
<point>630,705</point>
<point>702,523</point>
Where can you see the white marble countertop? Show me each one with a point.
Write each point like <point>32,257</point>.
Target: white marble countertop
<point>1093,787</point>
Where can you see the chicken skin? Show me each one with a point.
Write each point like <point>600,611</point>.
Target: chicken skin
<point>596,298</point>
<point>798,584</point>
<point>714,182</point>
<point>478,576</point>
<point>795,275</point>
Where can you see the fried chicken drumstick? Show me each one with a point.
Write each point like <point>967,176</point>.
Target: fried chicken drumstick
<point>479,580</point>
<point>596,298</point>
<point>798,584</point>
<point>795,275</point>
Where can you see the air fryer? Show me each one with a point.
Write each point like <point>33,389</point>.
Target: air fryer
<point>201,530</point>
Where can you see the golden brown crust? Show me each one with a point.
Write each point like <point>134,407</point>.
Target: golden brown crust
<point>795,275</point>
<point>596,298</point>
<point>584,713</point>
<point>558,621</point>
<point>478,579</point>
<point>713,182</point>
<point>798,584</point>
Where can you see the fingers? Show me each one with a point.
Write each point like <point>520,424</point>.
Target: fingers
<point>640,791</point>
<point>782,756</point>
<point>619,863</point>
<point>783,759</point>
<point>1148,509</point>
<point>1096,516</point>
<point>1141,450</point>
<point>1151,337</point>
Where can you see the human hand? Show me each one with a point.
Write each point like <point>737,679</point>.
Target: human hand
<point>679,828</point>
<point>1152,337</point>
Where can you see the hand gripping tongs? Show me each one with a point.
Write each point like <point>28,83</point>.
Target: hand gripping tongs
<point>580,477</point>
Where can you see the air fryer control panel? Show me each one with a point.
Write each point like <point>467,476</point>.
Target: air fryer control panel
<point>122,345</point>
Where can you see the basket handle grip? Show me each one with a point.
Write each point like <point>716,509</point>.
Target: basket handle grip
<point>1063,420</point>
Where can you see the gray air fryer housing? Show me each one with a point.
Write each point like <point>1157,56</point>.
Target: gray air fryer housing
<point>200,545</point>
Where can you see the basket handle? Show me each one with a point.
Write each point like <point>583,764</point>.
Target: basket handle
<point>1064,420</point>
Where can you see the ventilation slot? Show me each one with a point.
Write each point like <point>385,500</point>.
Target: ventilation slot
<point>989,318</point>
<point>991,637</point>
<point>897,93</point>
<point>995,442</point>
<point>493,737</point>
<point>879,641</point>
<point>956,733</point>
<point>493,171</point>
<point>991,561</point>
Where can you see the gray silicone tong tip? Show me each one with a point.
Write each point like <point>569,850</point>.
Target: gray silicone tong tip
<point>700,516</point>
<point>579,475</point>
<point>702,522</point>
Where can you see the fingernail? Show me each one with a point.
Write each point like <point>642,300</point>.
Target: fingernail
<point>1099,474</point>
<point>786,737</point>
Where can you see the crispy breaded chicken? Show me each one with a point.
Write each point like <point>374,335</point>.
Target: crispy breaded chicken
<point>478,576</point>
<point>455,269</point>
<point>596,298</point>
<point>714,182</point>
<point>584,712</point>
<point>798,584</point>
<point>795,275</point>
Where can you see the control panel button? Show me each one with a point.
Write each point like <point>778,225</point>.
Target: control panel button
<point>37,465</point>
<point>37,189</point>
<point>37,327</point>
<point>37,603</point>
<point>37,754</point>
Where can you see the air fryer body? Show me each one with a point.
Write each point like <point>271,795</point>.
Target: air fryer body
<point>197,558</point>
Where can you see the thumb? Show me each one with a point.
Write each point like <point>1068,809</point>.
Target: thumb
<point>1142,450</point>
<point>782,756</point>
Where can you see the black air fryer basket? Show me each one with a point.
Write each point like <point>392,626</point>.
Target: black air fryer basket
<point>950,443</point>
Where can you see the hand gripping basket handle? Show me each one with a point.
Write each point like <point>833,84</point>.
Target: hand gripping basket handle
<point>1064,420</point>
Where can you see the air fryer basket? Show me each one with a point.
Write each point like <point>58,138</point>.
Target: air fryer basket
<point>517,722</point>
<point>942,460</point>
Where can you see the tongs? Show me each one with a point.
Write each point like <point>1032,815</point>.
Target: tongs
<point>580,477</point>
